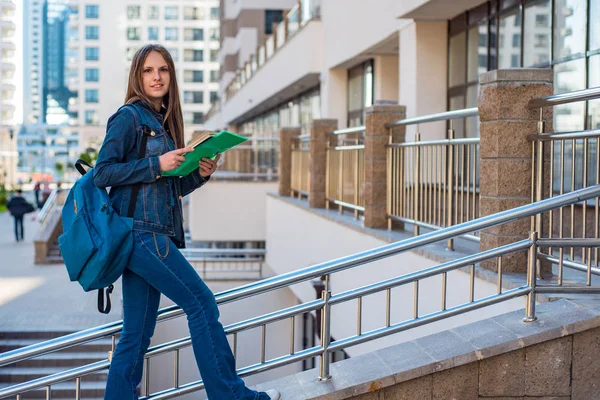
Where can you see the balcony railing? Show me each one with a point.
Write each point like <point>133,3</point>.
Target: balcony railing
<point>226,264</point>
<point>303,12</point>
<point>346,170</point>
<point>254,160</point>
<point>300,168</point>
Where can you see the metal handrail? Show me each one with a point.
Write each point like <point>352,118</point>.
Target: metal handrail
<point>347,131</point>
<point>48,205</point>
<point>565,98</point>
<point>589,134</point>
<point>444,116</point>
<point>312,272</point>
<point>325,269</point>
<point>197,252</point>
<point>442,142</point>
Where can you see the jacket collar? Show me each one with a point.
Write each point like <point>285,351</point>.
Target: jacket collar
<point>159,115</point>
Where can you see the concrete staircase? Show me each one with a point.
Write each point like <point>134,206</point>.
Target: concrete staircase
<point>92,386</point>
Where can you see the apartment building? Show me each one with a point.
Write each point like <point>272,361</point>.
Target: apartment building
<point>8,53</point>
<point>426,55</point>
<point>104,36</point>
<point>33,61</point>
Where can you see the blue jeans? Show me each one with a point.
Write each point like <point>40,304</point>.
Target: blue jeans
<point>19,224</point>
<point>156,266</point>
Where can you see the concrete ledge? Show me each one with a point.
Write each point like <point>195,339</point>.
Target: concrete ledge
<point>517,74</point>
<point>417,360</point>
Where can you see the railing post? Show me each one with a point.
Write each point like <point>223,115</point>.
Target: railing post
<point>325,332</point>
<point>417,173</point>
<point>286,142</point>
<point>450,183</point>
<point>375,159</point>
<point>505,152</point>
<point>531,278</point>
<point>320,133</point>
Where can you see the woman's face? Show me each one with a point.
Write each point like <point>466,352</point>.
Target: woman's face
<point>156,76</point>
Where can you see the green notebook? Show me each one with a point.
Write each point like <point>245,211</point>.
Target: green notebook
<point>206,145</point>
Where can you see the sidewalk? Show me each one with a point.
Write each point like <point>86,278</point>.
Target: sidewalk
<point>41,297</point>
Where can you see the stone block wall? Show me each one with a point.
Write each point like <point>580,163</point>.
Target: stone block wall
<point>564,368</point>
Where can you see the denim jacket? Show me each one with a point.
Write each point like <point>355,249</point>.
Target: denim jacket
<point>158,208</point>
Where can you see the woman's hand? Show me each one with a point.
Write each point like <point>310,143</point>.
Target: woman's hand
<point>173,159</point>
<point>208,166</point>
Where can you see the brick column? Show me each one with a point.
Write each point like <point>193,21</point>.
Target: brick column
<point>376,138</point>
<point>320,134</point>
<point>286,140</point>
<point>506,165</point>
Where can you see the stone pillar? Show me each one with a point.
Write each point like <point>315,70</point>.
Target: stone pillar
<point>377,136</point>
<point>506,166</point>
<point>320,134</point>
<point>286,141</point>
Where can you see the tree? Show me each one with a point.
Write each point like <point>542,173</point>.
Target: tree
<point>86,157</point>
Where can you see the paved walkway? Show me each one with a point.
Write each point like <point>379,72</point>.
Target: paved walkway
<point>41,297</point>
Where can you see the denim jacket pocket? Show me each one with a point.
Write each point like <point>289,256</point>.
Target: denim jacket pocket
<point>155,144</point>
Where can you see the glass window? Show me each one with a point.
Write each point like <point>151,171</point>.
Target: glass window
<point>537,33</point>
<point>569,27</point>
<point>195,76</point>
<point>92,11</point>
<point>509,48</point>
<point>171,34</point>
<point>457,59</point>
<point>152,33</point>
<point>92,32</point>
<point>272,17</point>
<point>214,55</point>
<point>214,76</point>
<point>458,103</point>
<point>214,33</point>
<point>174,53</point>
<point>193,13</point>
<point>195,118</point>
<point>360,92</point>
<point>192,34</point>
<point>153,12</point>
<point>477,56</point>
<point>133,33</point>
<point>171,12</point>
<point>594,25</point>
<point>193,55</point>
<point>214,96</point>
<point>92,53</point>
<point>193,97</point>
<point>133,12</point>
<point>91,117</point>
<point>594,105</point>
<point>568,77</point>
<point>92,74</point>
<point>214,13</point>
<point>91,95</point>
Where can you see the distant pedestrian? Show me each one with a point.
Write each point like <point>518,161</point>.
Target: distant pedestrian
<point>36,193</point>
<point>18,207</point>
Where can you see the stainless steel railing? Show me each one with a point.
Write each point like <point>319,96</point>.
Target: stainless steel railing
<point>47,208</point>
<point>324,304</point>
<point>226,264</point>
<point>564,162</point>
<point>255,160</point>
<point>433,184</point>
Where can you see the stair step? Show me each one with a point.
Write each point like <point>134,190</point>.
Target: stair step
<point>19,375</point>
<point>54,260</point>
<point>90,390</point>
<point>13,344</point>
<point>63,359</point>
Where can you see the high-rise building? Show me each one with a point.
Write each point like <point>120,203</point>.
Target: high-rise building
<point>33,61</point>
<point>104,36</point>
<point>8,159</point>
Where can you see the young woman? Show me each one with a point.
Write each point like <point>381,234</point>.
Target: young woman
<point>156,266</point>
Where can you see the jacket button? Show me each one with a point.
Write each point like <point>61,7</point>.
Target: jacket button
<point>157,176</point>
<point>180,197</point>
<point>152,133</point>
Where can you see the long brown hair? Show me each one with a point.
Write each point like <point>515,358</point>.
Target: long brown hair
<point>135,90</point>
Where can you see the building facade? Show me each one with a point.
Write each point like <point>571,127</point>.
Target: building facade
<point>33,61</point>
<point>103,37</point>
<point>8,54</point>
<point>426,55</point>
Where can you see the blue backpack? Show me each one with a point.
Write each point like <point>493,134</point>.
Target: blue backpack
<point>97,242</point>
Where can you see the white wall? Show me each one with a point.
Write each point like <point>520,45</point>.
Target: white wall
<point>290,63</point>
<point>386,78</point>
<point>298,238</point>
<point>423,75</point>
<point>278,339</point>
<point>229,211</point>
